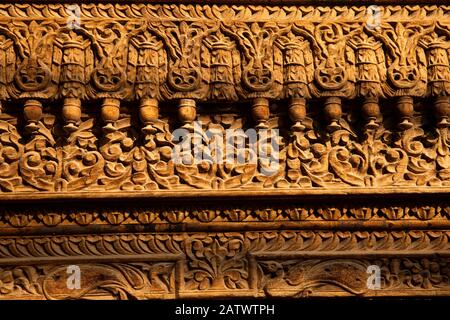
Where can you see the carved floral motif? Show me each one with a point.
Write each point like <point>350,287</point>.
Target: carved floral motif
<point>94,108</point>
<point>155,54</point>
<point>255,263</point>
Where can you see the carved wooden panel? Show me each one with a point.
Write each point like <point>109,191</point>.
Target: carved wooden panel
<point>351,104</point>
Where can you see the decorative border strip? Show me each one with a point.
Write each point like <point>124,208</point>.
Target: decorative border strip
<point>90,98</point>
<point>287,263</point>
<point>20,217</point>
<point>328,78</point>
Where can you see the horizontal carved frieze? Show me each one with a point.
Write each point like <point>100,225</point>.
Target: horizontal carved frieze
<point>26,216</point>
<point>310,157</point>
<point>221,53</point>
<point>93,96</point>
<point>295,278</point>
<point>276,278</point>
<point>286,263</point>
<point>251,104</point>
<point>289,242</point>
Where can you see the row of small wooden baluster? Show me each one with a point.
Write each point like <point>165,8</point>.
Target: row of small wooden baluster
<point>187,112</point>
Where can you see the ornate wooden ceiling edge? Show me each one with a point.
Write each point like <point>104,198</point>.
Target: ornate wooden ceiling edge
<point>355,98</point>
<point>346,100</point>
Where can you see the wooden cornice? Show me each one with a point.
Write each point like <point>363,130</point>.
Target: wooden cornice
<point>354,99</point>
<point>360,98</point>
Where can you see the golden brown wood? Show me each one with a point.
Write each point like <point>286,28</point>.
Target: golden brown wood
<point>90,111</point>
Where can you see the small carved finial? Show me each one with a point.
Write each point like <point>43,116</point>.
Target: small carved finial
<point>405,107</point>
<point>333,112</point>
<point>442,109</point>
<point>297,113</point>
<point>33,113</point>
<point>148,113</point>
<point>71,114</point>
<point>187,112</point>
<point>371,112</point>
<point>261,112</point>
<point>110,113</point>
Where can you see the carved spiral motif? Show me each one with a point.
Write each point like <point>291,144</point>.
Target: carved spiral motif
<point>331,78</point>
<point>404,77</point>
<point>108,79</point>
<point>32,76</point>
<point>258,79</point>
<point>184,79</point>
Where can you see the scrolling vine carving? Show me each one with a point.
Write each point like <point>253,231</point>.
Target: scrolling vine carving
<point>94,109</point>
<point>162,54</point>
